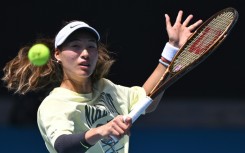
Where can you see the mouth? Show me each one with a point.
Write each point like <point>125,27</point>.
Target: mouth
<point>84,64</point>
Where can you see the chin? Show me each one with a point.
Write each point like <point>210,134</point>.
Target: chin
<point>85,75</point>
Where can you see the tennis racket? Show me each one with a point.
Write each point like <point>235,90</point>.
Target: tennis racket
<point>198,47</point>
<point>207,37</point>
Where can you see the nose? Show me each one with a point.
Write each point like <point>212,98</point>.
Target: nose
<point>84,54</point>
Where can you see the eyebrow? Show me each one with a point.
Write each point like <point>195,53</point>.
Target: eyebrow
<point>90,40</point>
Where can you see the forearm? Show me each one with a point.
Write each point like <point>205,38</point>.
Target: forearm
<point>167,55</point>
<point>77,143</point>
<point>152,81</point>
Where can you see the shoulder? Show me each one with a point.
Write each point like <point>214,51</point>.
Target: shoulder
<point>54,99</point>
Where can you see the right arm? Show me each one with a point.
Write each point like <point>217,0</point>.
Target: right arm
<point>83,141</point>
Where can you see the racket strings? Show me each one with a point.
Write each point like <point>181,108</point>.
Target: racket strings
<point>202,41</point>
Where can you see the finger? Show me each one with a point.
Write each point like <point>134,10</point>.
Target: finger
<point>168,23</point>
<point>187,20</point>
<point>116,130</point>
<point>128,120</point>
<point>116,133</point>
<point>195,25</point>
<point>179,17</point>
<point>120,122</point>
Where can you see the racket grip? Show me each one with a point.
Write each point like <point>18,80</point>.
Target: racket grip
<point>113,138</point>
<point>139,108</point>
<point>136,112</point>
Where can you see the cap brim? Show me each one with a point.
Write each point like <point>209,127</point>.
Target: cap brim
<point>70,28</point>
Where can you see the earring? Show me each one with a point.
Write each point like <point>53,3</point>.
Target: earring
<point>58,61</point>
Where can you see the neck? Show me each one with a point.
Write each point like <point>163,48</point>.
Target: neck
<point>82,87</point>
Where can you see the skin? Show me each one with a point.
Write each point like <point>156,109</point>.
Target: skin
<point>178,34</point>
<point>78,59</point>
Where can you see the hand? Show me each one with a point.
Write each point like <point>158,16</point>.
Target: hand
<point>180,32</point>
<point>117,127</point>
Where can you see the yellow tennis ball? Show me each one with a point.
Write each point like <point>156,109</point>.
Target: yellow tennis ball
<point>39,54</point>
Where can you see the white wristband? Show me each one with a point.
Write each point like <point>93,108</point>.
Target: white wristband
<point>169,52</point>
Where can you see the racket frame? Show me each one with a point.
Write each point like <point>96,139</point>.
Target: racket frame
<point>170,77</point>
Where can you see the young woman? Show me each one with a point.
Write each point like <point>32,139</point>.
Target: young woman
<point>85,109</point>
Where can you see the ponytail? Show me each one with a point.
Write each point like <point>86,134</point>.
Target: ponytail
<point>21,76</point>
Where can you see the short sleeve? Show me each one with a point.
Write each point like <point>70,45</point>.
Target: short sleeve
<point>53,122</point>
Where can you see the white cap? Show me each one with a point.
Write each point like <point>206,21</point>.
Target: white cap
<point>70,28</point>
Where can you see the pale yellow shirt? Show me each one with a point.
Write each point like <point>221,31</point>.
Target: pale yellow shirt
<point>65,112</point>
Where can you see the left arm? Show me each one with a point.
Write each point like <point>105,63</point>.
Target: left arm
<point>178,35</point>
<point>151,83</point>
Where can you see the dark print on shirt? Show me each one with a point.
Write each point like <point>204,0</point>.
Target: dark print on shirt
<point>103,108</point>
<point>99,114</point>
<point>107,101</point>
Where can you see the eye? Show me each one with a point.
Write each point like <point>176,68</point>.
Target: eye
<point>92,46</point>
<point>75,46</point>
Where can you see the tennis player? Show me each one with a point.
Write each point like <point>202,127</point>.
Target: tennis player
<point>85,109</point>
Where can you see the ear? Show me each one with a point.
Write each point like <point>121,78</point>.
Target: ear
<point>57,54</point>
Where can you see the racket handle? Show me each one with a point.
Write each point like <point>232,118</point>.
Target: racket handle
<point>139,108</point>
<point>114,138</point>
<point>136,112</point>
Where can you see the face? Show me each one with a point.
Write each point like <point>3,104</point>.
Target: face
<point>78,56</point>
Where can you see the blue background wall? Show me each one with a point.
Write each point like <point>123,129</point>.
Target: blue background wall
<point>143,140</point>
